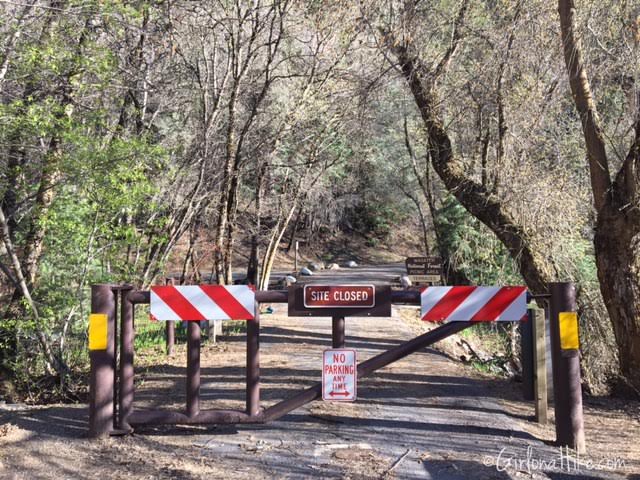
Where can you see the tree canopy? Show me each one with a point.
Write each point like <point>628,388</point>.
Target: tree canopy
<point>136,137</point>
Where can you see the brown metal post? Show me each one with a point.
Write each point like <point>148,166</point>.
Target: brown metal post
<point>540,364</point>
<point>126,359</point>
<point>567,391</point>
<point>526,356</point>
<point>116,383</point>
<point>253,364</point>
<point>101,382</point>
<point>170,335</point>
<point>337,332</point>
<point>193,368</point>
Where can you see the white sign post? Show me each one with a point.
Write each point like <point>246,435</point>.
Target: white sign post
<point>339,375</point>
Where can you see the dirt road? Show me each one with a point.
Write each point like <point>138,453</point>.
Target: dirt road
<point>423,417</point>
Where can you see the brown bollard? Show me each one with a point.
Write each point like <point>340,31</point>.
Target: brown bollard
<point>337,332</point>
<point>170,335</point>
<point>567,389</point>
<point>193,368</point>
<point>540,365</point>
<point>102,360</point>
<point>253,364</point>
<point>126,359</point>
<point>526,356</point>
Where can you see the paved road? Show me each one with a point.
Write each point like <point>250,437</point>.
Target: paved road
<point>378,274</point>
<point>424,417</point>
<point>421,414</point>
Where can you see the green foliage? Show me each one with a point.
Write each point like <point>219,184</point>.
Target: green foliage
<point>152,334</point>
<point>373,218</point>
<point>103,190</point>
<point>88,235</point>
<point>117,101</point>
<point>472,248</point>
<point>380,206</point>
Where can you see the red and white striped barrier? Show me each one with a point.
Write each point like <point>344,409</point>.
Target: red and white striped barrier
<point>473,304</point>
<point>203,302</point>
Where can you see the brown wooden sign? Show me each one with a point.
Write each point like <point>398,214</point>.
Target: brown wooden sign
<point>340,300</point>
<point>424,266</point>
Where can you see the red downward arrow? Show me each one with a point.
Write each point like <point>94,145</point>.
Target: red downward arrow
<point>333,394</point>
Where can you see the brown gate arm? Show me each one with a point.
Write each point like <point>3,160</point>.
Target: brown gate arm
<point>411,297</point>
<point>366,368</point>
<point>369,366</point>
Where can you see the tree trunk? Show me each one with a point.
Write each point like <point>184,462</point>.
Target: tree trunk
<point>53,364</point>
<point>232,211</point>
<point>190,257</point>
<point>481,203</point>
<point>617,248</point>
<point>8,50</point>
<point>253,269</point>
<point>272,249</point>
<point>223,208</point>
<point>294,230</point>
<point>44,199</point>
<point>423,220</point>
<point>425,228</point>
<point>276,237</point>
<point>231,232</point>
<point>617,236</point>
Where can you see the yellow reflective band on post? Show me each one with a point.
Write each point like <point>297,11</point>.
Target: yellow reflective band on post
<point>98,331</point>
<point>569,331</point>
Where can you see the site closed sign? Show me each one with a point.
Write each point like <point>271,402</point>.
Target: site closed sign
<point>339,296</point>
<point>339,375</point>
<point>346,300</point>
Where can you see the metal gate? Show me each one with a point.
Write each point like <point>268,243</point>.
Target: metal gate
<point>112,390</point>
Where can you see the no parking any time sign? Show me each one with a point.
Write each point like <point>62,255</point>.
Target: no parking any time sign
<point>339,375</point>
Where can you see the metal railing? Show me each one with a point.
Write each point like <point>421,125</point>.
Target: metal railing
<point>112,386</point>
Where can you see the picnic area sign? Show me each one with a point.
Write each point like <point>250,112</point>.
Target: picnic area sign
<point>424,270</point>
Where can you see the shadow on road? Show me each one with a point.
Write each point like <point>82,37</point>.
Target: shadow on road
<point>462,470</point>
<point>395,424</point>
<point>280,335</point>
<point>61,421</point>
